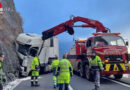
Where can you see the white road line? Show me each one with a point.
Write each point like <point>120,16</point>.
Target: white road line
<point>70,88</point>
<point>118,82</point>
<point>15,83</point>
<point>12,85</point>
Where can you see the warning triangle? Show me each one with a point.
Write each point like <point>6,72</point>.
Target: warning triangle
<point>115,68</point>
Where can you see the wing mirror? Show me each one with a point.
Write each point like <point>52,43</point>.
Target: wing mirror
<point>127,43</point>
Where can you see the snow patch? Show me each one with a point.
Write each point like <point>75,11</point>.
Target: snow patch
<point>13,84</point>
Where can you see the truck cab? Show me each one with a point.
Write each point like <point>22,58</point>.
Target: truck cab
<point>110,47</point>
<point>30,44</point>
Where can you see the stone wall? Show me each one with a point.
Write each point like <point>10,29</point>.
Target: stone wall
<point>10,27</point>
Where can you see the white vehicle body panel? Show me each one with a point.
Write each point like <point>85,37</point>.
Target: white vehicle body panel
<point>25,42</point>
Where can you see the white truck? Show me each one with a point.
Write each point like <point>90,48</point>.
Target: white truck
<point>29,44</point>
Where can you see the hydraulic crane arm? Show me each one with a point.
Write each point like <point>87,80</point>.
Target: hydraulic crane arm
<point>68,26</point>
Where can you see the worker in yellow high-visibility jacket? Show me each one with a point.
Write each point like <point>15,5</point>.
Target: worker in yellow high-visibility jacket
<point>35,71</point>
<point>54,66</point>
<point>95,65</point>
<point>64,72</point>
<point>1,70</point>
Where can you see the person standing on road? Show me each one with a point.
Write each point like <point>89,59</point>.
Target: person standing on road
<point>64,71</point>
<point>1,71</point>
<point>35,71</point>
<point>54,66</point>
<point>95,65</point>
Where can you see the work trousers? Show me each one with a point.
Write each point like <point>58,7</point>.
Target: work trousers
<point>34,79</point>
<point>54,78</point>
<point>96,74</point>
<point>61,86</point>
<point>1,87</point>
<point>1,80</point>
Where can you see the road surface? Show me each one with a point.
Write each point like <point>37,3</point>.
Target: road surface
<point>77,83</point>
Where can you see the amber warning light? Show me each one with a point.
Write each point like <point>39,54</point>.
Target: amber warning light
<point>95,34</point>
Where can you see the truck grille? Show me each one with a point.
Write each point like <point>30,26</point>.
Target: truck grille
<point>113,57</point>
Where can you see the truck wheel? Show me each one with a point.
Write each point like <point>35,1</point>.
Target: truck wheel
<point>89,75</point>
<point>82,71</point>
<point>118,76</point>
<point>87,72</point>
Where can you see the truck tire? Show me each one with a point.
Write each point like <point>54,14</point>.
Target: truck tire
<point>118,76</point>
<point>87,72</point>
<point>89,75</point>
<point>81,70</point>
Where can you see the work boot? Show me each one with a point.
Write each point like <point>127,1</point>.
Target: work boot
<point>32,84</point>
<point>36,84</point>
<point>97,87</point>
<point>57,85</point>
<point>1,87</point>
<point>54,86</point>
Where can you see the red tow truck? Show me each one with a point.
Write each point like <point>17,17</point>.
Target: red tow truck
<point>111,48</point>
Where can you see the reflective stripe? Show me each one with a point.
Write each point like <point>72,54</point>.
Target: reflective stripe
<point>36,80</point>
<point>115,67</point>
<point>64,71</point>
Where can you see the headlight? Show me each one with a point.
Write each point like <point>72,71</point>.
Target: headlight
<point>106,60</point>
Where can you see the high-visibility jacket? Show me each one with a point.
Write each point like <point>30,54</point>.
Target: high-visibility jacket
<point>35,66</point>
<point>96,62</point>
<point>0,65</point>
<point>54,64</point>
<point>1,72</point>
<point>65,70</point>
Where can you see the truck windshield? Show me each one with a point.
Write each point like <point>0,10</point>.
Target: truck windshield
<point>108,40</point>
<point>23,49</point>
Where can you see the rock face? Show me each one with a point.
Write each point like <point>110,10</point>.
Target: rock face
<point>10,27</point>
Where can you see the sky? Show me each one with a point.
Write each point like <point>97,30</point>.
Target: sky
<point>40,15</point>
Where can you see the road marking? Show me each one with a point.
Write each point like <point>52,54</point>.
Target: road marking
<point>15,83</point>
<point>12,85</point>
<point>70,88</point>
<point>118,82</point>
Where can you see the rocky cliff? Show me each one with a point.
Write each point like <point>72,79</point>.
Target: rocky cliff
<point>10,27</point>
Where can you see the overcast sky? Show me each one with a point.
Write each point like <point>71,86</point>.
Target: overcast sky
<point>40,15</point>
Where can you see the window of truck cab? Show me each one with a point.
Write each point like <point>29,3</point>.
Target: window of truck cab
<point>89,43</point>
<point>101,41</point>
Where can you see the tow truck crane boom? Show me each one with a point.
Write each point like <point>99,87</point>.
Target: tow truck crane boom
<point>68,26</point>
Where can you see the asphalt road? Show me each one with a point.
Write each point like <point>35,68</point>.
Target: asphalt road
<point>77,83</point>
